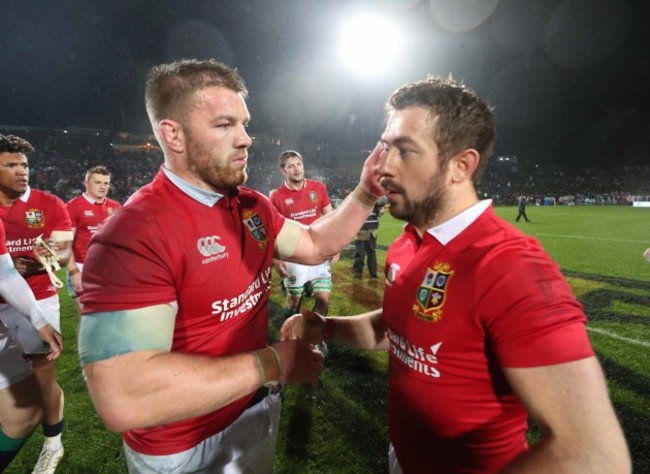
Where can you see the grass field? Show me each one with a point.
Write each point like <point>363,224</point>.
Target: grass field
<point>340,427</point>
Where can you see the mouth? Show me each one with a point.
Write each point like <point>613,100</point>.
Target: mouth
<point>240,160</point>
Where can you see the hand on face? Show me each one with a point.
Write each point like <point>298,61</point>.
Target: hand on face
<point>370,173</point>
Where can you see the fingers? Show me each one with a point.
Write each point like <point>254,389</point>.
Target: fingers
<point>292,328</point>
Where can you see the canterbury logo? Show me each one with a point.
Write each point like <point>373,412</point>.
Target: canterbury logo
<point>209,245</point>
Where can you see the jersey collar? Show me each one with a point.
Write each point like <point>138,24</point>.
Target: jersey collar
<point>25,196</point>
<point>92,201</point>
<point>447,231</point>
<point>207,198</point>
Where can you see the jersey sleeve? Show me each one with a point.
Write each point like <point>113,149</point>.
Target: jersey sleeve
<point>72,213</point>
<point>130,265</point>
<point>326,197</point>
<point>62,218</point>
<point>528,309</point>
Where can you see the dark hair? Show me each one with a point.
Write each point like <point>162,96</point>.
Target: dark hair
<point>285,155</point>
<point>460,118</point>
<point>170,86</point>
<point>14,144</point>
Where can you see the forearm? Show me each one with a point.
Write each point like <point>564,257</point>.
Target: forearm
<point>364,331</point>
<point>556,455</point>
<point>151,388</point>
<point>17,293</point>
<point>332,232</point>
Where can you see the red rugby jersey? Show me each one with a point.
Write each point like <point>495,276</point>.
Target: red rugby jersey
<point>86,216</point>
<point>215,262</point>
<point>303,205</point>
<point>455,314</point>
<point>34,213</point>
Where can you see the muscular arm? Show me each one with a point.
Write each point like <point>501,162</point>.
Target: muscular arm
<point>333,231</point>
<point>135,381</point>
<point>570,404</point>
<point>363,331</point>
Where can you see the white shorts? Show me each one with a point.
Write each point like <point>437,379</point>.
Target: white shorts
<point>319,275</point>
<point>247,446</point>
<point>14,366</point>
<point>23,330</point>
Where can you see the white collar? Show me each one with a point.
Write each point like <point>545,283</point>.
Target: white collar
<point>448,230</point>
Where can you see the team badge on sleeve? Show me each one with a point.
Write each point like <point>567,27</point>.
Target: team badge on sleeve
<point>255,227</point>
<point>34,218</point>
<point>431,294</point>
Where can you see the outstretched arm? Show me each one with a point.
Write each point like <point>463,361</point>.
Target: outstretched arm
<point>135,381</point>
<point>333,231</point>
<point>570,404</point>
<point>363,331</point>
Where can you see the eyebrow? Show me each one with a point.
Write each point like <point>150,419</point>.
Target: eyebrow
<point>401,140</point>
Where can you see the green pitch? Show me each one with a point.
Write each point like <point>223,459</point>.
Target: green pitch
<point>340,427</point>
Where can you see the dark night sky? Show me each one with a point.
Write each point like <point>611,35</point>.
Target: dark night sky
<point>568,78</point>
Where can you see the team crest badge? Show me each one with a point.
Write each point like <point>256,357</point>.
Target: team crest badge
<point>34,219</point>
<point>109,211</point>
<point>432,292</point>
<point>256,227</point>
<point>313,197</point>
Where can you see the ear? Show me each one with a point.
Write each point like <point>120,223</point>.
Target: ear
<point>463,165</point>
<point>172,136</point>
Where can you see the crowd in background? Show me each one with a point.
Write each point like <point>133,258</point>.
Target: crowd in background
<point>63,156</point>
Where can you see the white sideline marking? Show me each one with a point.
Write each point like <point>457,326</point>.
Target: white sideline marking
<point>593,238</point>
<point>605,332</point>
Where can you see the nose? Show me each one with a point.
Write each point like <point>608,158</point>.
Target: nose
<point>244,140</point>
<point>386,166</point>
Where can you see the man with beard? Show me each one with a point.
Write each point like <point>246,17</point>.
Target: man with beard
<point>303,200</point>
<point>481,328</point>
<point>173,339</point>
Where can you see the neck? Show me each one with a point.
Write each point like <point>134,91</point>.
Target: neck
<point>98,200</point>
<point>9,199</point>
<point>296,186</point>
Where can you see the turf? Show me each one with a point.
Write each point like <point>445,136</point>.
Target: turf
<point>340,427</point>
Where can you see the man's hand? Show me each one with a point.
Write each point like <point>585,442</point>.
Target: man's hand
<point>301,363</point>
<point>308,326</point>
<point>54,339</point>
<point>370,173</point>
<point>27,266</point>
<point>281,268</point>
<point>76,282</point>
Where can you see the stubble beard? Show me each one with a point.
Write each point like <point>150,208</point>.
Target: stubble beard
<point>213,169</point>
<point>425,211</point>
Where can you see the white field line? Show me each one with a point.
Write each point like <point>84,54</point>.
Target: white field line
<point>605,332</point>
<point>583,237</point>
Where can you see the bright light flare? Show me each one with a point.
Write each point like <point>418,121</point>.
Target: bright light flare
<point>369,44</point>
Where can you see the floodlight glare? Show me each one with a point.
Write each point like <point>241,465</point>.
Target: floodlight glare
<point>369,44</point>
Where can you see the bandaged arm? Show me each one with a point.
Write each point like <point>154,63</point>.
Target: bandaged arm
<point>135,381</point>
<point>17,293</point>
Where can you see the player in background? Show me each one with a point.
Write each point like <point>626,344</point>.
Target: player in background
<point>38,237</point>
<point>302,200</point>
<point>21,405</point>
<point>87,212</point>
